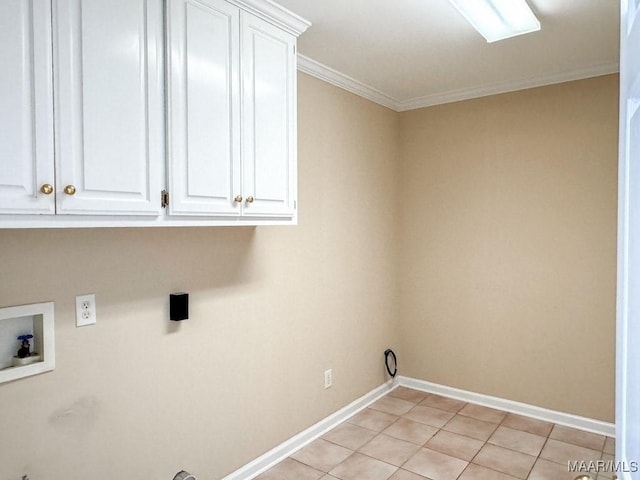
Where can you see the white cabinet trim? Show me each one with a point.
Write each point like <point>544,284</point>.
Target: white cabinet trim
<point>260,177</point>
<point>211,190</point>
<point>79,108</point>
<point>33,123</point>
<point>275,14</point>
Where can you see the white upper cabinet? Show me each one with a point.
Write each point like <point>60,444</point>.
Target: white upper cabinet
<point>26,108</point>
<point>203,38</point>
<point>221,57</point>
<point>109,106</point>
<point>269,121</point>
<point>98,119</point>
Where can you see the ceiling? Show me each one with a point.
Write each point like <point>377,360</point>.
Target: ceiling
<point>411,53</point>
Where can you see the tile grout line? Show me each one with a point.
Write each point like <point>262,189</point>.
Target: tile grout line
<point>540,453</point>
<point>440,429</point>
<point>486,442</point>
<point>536,458</point>
<point>480,449</point>
<point>497,425</point>
<point>419,446</point>
<point>423,445</point>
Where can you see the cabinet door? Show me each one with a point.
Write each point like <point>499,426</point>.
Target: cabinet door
<point>204,107</point>
<point>26,107</point>
<point>269,122</point>
<point>109,106</point>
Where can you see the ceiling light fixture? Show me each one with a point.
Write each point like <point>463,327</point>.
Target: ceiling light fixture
<point>498,19</point>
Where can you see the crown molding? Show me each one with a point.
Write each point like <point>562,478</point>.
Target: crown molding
<point>334,77</point>
<point>505,87</point>
<point>274,13</point>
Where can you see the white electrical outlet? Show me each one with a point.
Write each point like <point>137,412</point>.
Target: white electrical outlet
<point>328,378</point>
<point>85,310</point>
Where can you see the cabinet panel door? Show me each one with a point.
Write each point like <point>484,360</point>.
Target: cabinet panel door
<point>269,99</point>
<point>26,107</point>
<point>109,105</point>
<point>204,107</point>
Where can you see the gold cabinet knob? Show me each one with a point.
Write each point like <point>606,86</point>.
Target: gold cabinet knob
<point>46,189</point>
<point>249,199</point>
<point>238,199</point>
<point>70,190</point>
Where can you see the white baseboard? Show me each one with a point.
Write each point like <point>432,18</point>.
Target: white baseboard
<point>567,419</point>
<point>272,457</point>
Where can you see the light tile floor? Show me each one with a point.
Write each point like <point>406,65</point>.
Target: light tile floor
<point>412,435</point>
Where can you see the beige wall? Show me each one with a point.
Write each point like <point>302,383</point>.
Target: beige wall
<point>271,309</point>
<point>478,238</point>
<point>508,245</point>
